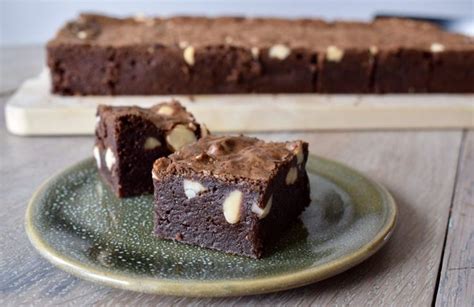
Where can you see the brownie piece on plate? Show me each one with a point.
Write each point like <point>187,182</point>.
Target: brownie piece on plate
<point>230,193</point>
<point>130,139</point>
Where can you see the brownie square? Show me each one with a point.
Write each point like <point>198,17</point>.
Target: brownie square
<point>78,69</point>
<point>147,70</point>
<point>345,70</point>
<point>452,71</point>
<point>220,69</point>
<point>402,70</point>
<point>130,139</point>
<point>284,70</point>
<point>230,193</point>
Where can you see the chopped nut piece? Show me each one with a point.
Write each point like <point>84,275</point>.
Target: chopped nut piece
<point>82,35</point>
<point>166,110</point>
<point>151,143</point>
<point>436,48</point>
<point>109,158</point>
<point>373,50</point>
<point>180,136</point>
<point>140,17</point>
<point>231,207</point>
<point>291,176</point>
<point>279,51</point>
<point>97,156</point>
<point>192,126</point>
<point>153,175</point>
<point>297,149</point>
<point>188,55</point>
<point>255,52</point>
<point>299,155</point>
<point>262,213</point>
<point>334,54</point>
<point>192,188</point>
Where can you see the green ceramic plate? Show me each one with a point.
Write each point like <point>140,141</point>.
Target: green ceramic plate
<point>78,225</point>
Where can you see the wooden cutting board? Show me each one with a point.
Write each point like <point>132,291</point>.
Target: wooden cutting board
<point>33,110</point>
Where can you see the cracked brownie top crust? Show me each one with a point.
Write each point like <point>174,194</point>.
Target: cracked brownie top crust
<point>232,157</point>
<point>164,116</point>
<point>183,32</point>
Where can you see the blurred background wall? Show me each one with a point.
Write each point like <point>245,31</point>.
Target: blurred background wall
<point>35,21</point>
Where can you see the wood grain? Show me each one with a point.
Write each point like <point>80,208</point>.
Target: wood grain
<point>456,286</point>
<point>418,167</point>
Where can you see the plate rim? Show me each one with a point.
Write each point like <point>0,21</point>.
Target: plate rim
<point>218,287</point>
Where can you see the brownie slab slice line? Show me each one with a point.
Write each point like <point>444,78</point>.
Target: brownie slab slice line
<point>234,194</point>
<point>130,139</point>
<point>100,55</point>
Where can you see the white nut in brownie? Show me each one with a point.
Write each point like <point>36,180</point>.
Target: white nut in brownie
<point>153,175</point>
<point>255,52</point>
<point>97,156</point>
<point>110,158</point>
<point>192,126</point>
<point>166,110</point>
<point>180,136</point>
<point>437,48</point>
<point>279,51</point>
<point>334,54</point>
<point>291,176</point>
<point>151,143</point>
<point>373,50</point>
<point>192,188</point>
<point>262,213</point>
<point>297,149</point>
<point>299,154</point>
<point>139,17</point>
<point>188,55</point>
<point>82,34</point>
<point>231,207</point>
<point>142,18</point>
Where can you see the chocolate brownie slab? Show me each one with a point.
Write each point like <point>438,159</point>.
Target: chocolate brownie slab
<point>452,66</point>
<point>130,139</point>
<point>99,55</point>
<point>403,62</point>
<point>345,70</point>
<point>230,193</point>
<point>417,56</point>
<point>452,71</point>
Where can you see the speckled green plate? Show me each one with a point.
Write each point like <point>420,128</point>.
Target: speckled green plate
<point>78,225</point>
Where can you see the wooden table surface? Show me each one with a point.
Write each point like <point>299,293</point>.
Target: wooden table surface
<point>429,260</point>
